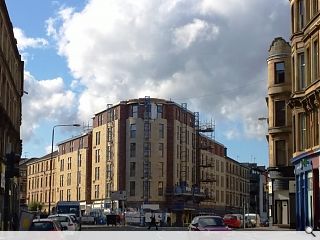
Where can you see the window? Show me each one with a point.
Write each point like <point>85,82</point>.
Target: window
<point>222,181</point>
<point>61,195</point>
<point>132,188</point>
<point>147,130</point>
<point>96,173</point>
<point>303,131</point>
<point>178,133</point>
<point>69,163</point>
<point>132,150</point>
<point>133,129</point>
<point>97,158</point>
<point>71,146</point>
<point>161,149</point>
<point>160,188</point>
<point>79,177</point>
<point>81,143</point>
<point>301,80</point>
<point>159,111</point>
<point>134,111</point>
<point>161,130</point>
<point>315,57</point>
<point>68,194</point>
<point>314,7</point>
<point>281,157</point>
<point>97,138</point>
<point>316,128</point>
<point>280,113</point>
<point>301,14</point>
<point>279,72</point>
<point>61,180</point>
<point>161,164</point>
<point>147,149</point>
<point>100,119</point>
<point>79,193</point>
<point>79,160</point>
<point>132,169</point>
<point>96,191</point>
<point>217,196</point>
<point>108,190</point>
<point>68,179</point>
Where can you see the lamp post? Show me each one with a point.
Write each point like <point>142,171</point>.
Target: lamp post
<point>52,140</point>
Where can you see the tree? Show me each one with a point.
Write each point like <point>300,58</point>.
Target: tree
<point>35,206</point>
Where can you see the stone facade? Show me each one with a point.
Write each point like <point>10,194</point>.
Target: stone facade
<point>11,91</point>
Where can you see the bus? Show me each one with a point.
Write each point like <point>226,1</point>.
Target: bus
<point>69,207</point>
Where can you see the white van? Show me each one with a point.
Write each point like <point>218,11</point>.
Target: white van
<point>253,219</point>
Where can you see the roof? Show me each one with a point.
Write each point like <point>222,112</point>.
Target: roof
<point>74,137</point>
<point>45,157</point>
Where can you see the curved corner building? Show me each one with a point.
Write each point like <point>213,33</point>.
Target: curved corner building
<point>281,204</point>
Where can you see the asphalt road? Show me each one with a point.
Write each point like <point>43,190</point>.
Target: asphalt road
<point>128,228</point>
<point>139,228</point>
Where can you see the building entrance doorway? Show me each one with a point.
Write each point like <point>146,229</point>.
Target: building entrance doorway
<point>282,214</point>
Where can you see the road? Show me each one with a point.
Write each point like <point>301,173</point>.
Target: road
<point>139,228</point>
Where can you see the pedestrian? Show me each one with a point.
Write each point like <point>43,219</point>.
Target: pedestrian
<point>153,222</point>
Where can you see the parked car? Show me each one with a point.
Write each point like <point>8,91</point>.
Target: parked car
<point>66,221</point>
<point>252,219</point>
<point>46,224</point>
<point>208,223</point>
<point>264,222</point>
<point>86,219</point>
<point>233,220</point>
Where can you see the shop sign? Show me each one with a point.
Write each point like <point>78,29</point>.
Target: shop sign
<point>304,163</point>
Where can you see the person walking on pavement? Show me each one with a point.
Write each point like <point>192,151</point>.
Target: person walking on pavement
<point>153,222</point>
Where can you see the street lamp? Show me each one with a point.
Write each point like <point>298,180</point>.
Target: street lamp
<point>52,140</point>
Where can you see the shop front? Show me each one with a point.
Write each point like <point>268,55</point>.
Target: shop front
<point>307,190</point>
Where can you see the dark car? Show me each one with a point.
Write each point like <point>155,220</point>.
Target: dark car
<point>208,223</point>
<point>45,224</point>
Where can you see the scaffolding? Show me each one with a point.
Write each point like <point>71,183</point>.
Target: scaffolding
<point>146,149</point>
<point>109,152</point>
<point>206,167</point>
<point>184,147</point>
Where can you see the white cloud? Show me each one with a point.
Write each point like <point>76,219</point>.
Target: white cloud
<point>46,100</point>
<point>184,36</point>
<point>49,148</point>
<point>225,7</point>
<point>121,49</point>
<point>25,42</point>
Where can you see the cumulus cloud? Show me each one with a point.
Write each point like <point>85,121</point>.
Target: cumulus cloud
<point>209,53</point>
<point>25,42</point>
<point>47,100</point>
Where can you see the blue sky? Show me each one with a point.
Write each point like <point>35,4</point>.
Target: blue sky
<point>82,55</point>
